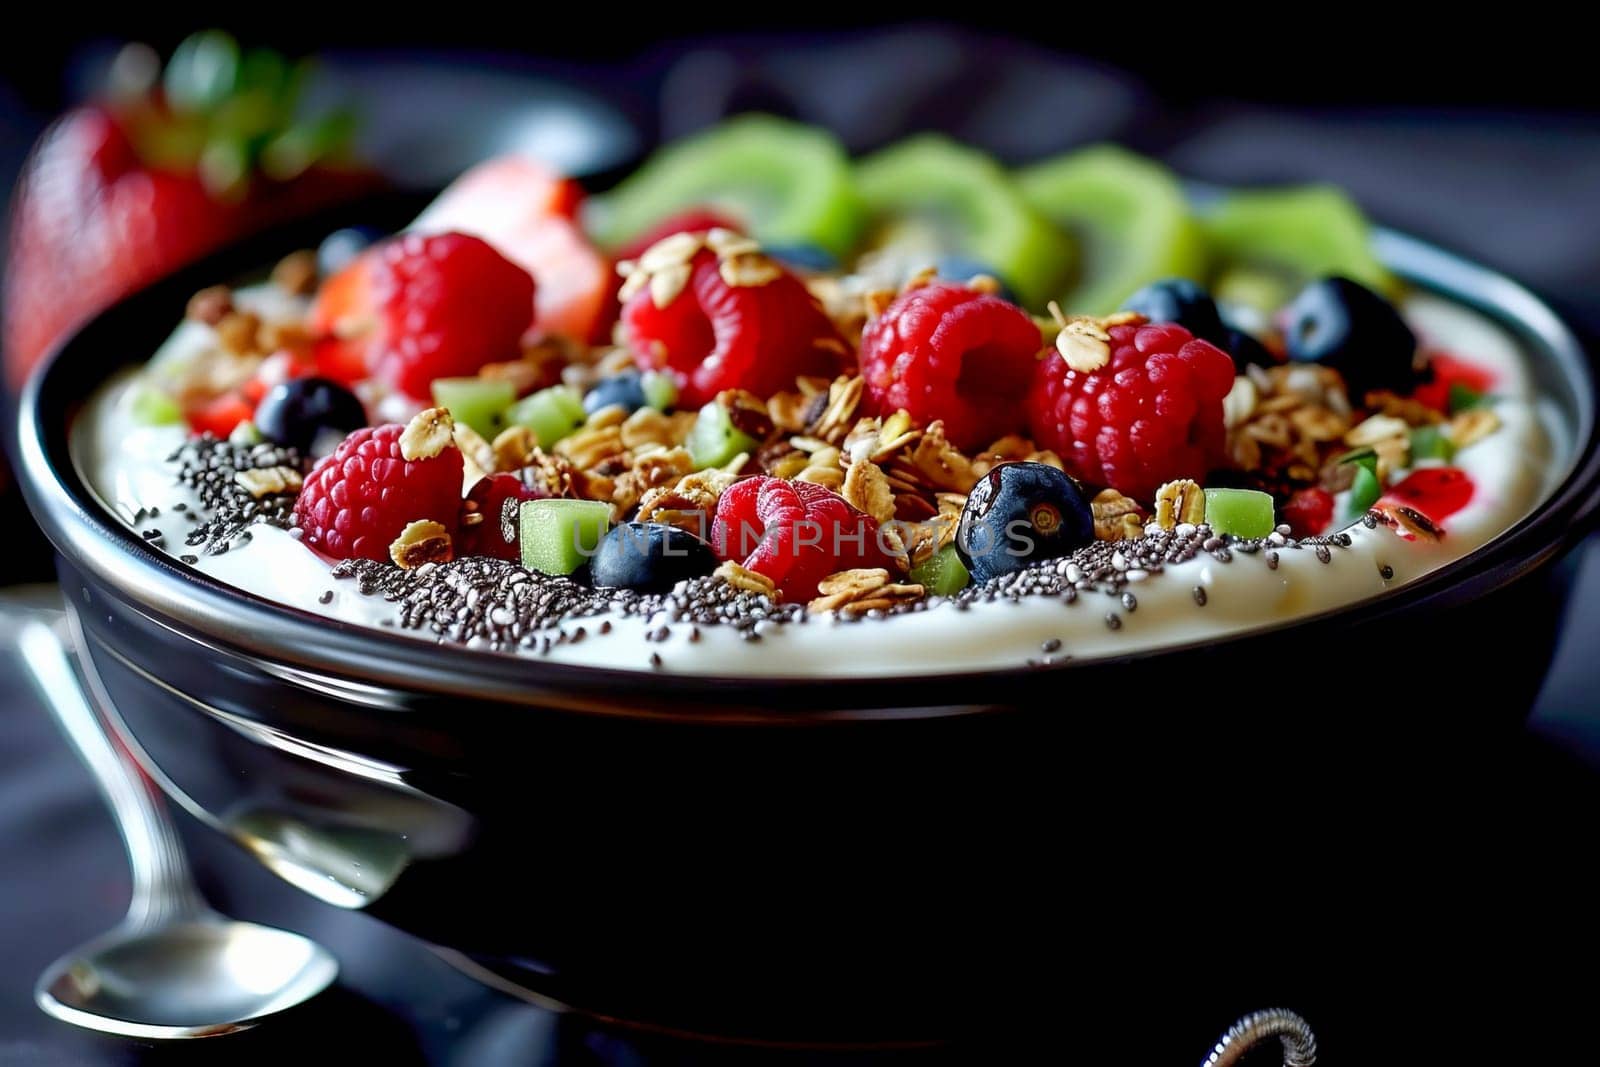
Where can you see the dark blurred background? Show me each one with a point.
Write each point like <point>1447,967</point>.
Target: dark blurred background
<point>1481,134</point>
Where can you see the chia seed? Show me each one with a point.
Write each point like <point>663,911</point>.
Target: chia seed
<point>190,560</point>
<point>208,465</point>
<point>1052,645</point>
<point>326,597</point>
<point>1200,595</point>
<point>1386,572</point>
<point>1113,621</point>
<point>1129,603</point>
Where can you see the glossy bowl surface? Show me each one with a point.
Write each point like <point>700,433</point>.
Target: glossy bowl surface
<point>878,860</point>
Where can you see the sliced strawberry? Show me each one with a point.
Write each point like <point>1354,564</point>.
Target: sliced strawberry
<point>220,416</point>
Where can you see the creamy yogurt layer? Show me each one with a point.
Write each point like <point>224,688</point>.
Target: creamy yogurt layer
<point>1195,600</point>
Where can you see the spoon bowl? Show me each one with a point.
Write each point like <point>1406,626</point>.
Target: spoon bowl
<point>197,977</point>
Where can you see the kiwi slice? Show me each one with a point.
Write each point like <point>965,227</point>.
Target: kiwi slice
<point>943,573</point>
<point>551,413</point>
<point>1243,513</point>
<point>1265,244</point>
<point>713,440</point>
<point>789,183</point>
<point>930,196</point>
<point>1130,217</point>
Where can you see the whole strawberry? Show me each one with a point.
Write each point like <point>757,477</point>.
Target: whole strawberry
<point>1134,408</point>
<point>120,192</point>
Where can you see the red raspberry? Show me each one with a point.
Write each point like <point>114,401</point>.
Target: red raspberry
<point>1152,414</point>
<point>356,501</point>
<point>795,533</point>
<point>695,220</point>
<point>498,498</point>
<point>1308,511</point>
<point>718,336</point>
<point>944,351</point>
<point>418,308</point>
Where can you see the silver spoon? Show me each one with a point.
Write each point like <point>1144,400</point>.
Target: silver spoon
<point>173,968</point>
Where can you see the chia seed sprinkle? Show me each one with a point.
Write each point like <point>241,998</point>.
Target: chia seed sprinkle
<point>1113,620</point>
<point>190,560</point>
<point>326,597</point>
<point>1386,572</point>
<point>1200,595</point>
<point>1052,645</point>
<point>208,466</point>
<point>1129,603</point>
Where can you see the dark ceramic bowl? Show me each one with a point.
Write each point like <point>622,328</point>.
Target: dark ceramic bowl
<point>868,861</point>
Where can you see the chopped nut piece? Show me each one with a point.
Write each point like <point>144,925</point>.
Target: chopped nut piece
<point>210,305</point>
<point>673,251</point>
<point>747,581</point>
<point>296,273</point>
<point>856,592</point>
<point>1473,425</point>
<point>937,464</point>
<point>788,411</point>
<point>1414,412</point>
<point>1116,517</point>
<point>514,448</point>
<point>688,504</point>
<point>427,434</point>
<point>591,446</point>
<point>1272,430</point>
<point>1317,424</point>
<point>550,474</point>
<point>647,426</point>
<point>1375,429</point>
<point>477,453</point>
<point>667,283</point>
<point>265,481</point>
<point>748,270</point>
<point>867,490</point>
<point>238,332</point>
<point>423,541</point>
<point>1178,502</point>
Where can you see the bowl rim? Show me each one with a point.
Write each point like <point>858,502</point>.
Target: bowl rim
<point>375,666</point>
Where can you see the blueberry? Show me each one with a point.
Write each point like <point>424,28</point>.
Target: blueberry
<point>954,267</point>
<point>626,389</point>
<point>1247,351</point>
<point>341,246</point>
<point>649,557</point>
<point>1184,302</point>
<point>806,257</point>
<point>1020,513</point>
<point>294,413</point>
<point>1344,325</point>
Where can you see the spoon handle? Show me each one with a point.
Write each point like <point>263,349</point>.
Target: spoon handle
<point>163,888</point>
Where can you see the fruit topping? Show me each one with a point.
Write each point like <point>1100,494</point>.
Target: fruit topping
<point>660,390</point>
<point>1243,513</point>
<point>356,501</point>
<point>1365,489</point>
<point>714,440</point>
<point>298,412</point>
<point>1151,413</point>
<point>943,573</point>
<point>153,406</point>
<point>1342,324</point>
<point>1437,492</point>
<point>933,197</point>
<point>1020,513</point>
<point>1131,220</point>
<point>944,351</point>
<point>559,536</point>
<point>695,220</point>
<point>491,517</point>
<point>1266,243</point>
<point>793,533</point>
<point>1430,442</point>
<point>720,314</point>
<point>781,181</point>
<point>480,403</point>
<point>649,557</point>
<point>551,413</point>
<point>625,390</point>
<point>1309,511</point>
<point>414,309</point>
<point>1180,301</point>
<point>527,213</point>
<point>1446,376</point>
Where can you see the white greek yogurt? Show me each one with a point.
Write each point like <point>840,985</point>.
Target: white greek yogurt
<point>126,464</point>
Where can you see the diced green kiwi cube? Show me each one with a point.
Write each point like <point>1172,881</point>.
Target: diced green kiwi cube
<point>660,390</point>
<point>1364,492</point>
<point>713,440</point>
<point>151,406</point>
<point>480,403</point>
<point>1430,442</point>
<point>1240,512</point>
<point>245,433</point>
<point>551,413</point>
<point>559,536</point>
<point>1298,233</point>
<point>942,574</point>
